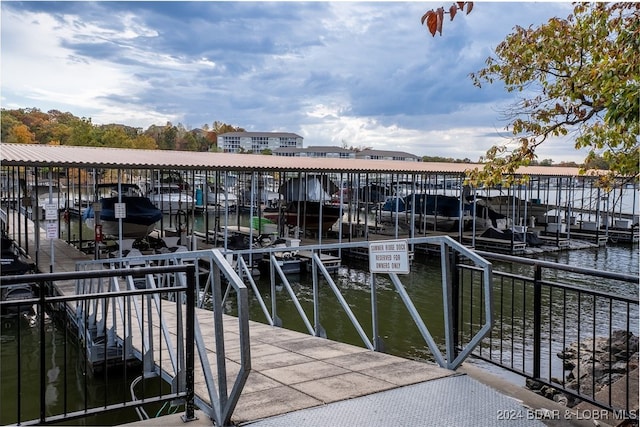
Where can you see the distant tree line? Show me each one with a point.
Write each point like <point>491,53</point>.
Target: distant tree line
<point>32,126</point>
<point>597,162</point>
<point>438,159</point>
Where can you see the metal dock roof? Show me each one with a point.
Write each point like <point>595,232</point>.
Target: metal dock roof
<point>102,157</point>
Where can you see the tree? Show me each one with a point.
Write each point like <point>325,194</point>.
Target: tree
<point>169,137</point>
<point>115,137</point>
<point>357,149</point>
<point>583,76</point>
<point>7,122</point>
<point>219,128</point>
<point>144,142</point>
<point>190,143</point>
<point>82,133</point>
<point>20,134</point>
<point>439,159</point>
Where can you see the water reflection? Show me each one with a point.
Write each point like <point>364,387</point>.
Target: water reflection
<point>67,380</point>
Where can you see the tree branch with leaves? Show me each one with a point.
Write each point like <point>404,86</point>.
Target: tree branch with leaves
<point>582,74</point>
<point>435,18</point>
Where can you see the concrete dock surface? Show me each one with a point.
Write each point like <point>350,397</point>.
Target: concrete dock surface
<point>306,381</point>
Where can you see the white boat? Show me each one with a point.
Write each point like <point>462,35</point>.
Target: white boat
<point>264,197</point>
<point>218,196</point>
<point>213,195</point>
<point>169,198</point>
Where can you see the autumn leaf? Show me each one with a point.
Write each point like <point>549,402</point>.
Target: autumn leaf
<point>432,21</point>
<point>424,17</point>
<point>469,7</point>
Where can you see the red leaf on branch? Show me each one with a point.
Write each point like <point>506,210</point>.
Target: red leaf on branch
<point>469,7</point>
<point>461,4</point>
<point>432,21</point>
<point>440,13</point>
<point>452,11</point>
<point>424,17</point>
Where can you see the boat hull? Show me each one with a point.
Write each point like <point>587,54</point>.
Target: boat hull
<point>310,216</point>
<point>290,265</point>
<point>141,217</point>
<point>16,293</point>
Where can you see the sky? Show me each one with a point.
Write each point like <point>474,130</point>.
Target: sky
<point>356,74</point>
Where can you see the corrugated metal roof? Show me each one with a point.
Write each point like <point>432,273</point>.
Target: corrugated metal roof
<point>94,157</point>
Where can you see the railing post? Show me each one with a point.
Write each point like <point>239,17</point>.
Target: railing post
<point>377,342</point>
<point>455,299</point>
<point>189,414</point>
<point>537,319</point>
<point>43,368</point>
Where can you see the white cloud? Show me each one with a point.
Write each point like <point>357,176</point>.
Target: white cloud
<point>362,73</point>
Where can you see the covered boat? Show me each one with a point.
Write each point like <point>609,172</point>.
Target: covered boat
<point>140,218</point>
<point>307,204</point>
<point>441,212</point>
<point>432,211</point>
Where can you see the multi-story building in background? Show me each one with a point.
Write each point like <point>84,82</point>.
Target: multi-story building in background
<point>316,151</point>
<point>291,145</point>
<point>257,142</point>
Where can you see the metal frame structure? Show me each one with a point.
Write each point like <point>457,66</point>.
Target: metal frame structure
<point>221,402</point>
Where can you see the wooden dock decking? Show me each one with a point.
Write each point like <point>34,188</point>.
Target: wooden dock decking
<point>330,262</point>
<point>599,239</point>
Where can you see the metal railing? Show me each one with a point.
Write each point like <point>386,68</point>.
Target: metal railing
<point>445,245</point>
<point>85,316</point>
<point>554,332</point>
<point>212,274</point>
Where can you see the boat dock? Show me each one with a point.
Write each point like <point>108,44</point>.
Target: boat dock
<point>306,379</point>
<point>303,380</point>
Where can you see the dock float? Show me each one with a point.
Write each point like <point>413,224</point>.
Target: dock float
<point>495,245</point>
<point>330,262</point>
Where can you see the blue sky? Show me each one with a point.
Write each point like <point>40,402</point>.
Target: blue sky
<point>364,74</point>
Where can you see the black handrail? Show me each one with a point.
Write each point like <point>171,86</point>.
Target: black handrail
<point>44,301</point>
<point>535,303</point>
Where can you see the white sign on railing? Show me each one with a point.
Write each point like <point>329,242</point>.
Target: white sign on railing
<point>389,256</point>
<point>52,230</point>
<point>120,210</point>
<point>51,212</point>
